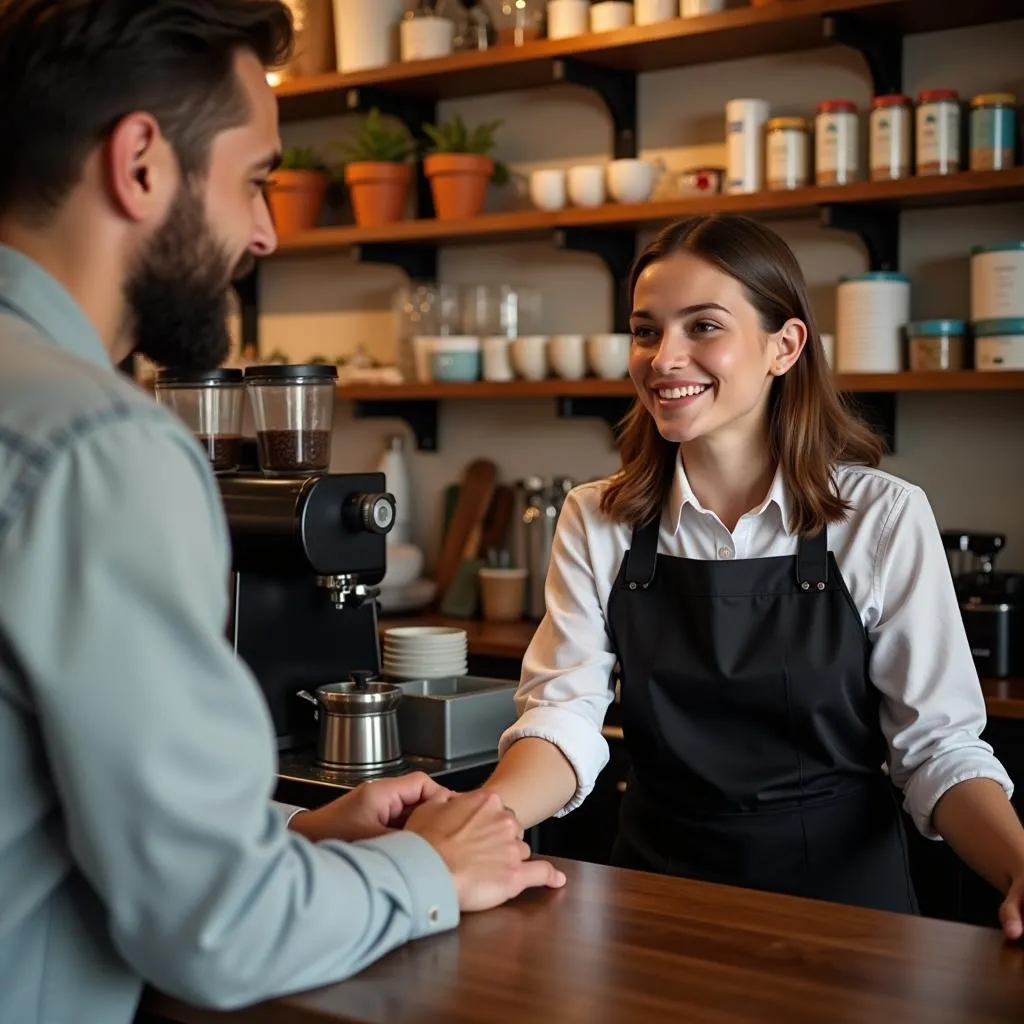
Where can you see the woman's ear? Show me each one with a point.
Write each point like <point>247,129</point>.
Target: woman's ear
<point>788,343</point>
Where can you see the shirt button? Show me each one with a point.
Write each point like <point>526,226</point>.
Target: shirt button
<point>724,552</point>
<point>434,915</point>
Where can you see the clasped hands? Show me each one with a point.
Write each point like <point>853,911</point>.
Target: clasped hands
<point>479,838</point>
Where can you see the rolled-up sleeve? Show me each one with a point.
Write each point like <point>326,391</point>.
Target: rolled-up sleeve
<point>160,745</point>
<point>568,670</point>
<point>933,710</point>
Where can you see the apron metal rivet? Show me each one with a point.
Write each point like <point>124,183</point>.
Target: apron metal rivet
<point>821,586</point>
<point>805,586</point>
<point>632,586</point>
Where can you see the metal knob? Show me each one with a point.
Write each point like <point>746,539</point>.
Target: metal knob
<point>370,513</point>
<point>361,678</point>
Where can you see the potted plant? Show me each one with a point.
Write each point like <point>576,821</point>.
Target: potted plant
<point>459,167</point>
<point>377,171</point>
<point>297,190</point>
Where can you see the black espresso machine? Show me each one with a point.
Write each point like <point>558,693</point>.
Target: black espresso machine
<point>991,603</point>
<point>307,553</point>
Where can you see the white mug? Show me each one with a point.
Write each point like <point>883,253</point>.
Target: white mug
<point>567,356</point>
<point>496,363</point>
<point>633,180</point>
<point>547,189</point>
<point>530,357</point>
<point>586,185</point>
<point>427,38</point>
<point>647,12</point>
<point>567,18</point>
<point>610,15</point>
<point>608,355</point>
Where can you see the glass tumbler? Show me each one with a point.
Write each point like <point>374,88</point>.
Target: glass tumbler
<point>293,406</point>
<point>210,404</point>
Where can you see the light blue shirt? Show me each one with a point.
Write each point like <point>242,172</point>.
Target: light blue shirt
<point>138,841</point>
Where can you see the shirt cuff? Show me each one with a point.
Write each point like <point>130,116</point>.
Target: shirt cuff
<point>287,811</point>
<point>435,902</point>
<point>580,742</point>
<point>939,775</point>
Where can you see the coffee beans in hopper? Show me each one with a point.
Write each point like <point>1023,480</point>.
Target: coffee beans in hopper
<point>294,451</point>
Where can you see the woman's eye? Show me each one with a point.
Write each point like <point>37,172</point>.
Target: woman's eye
<point>642,333</point>
<point>704,327</point>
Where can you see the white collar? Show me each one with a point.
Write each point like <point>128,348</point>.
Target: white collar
<point>682,495</point>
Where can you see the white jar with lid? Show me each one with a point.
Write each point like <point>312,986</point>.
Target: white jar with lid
<point>871,313</point>
<point>997,281</point>
<point>999,344</point>
<point>788,149</point>
<point>836,145</point>
<point>938,132</point>
<point>889,150</point>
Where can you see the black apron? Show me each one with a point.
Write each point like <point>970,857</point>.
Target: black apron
<point>752,728</point>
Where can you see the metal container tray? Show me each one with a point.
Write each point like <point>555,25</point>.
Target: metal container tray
<point>455,717</point>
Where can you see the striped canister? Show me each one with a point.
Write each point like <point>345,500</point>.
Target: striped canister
<point>872,311</point>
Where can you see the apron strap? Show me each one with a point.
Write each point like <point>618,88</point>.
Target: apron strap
<point>643,554</point>
<point>812,561</point>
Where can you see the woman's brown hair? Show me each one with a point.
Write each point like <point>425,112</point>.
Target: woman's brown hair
<point>810,427</point>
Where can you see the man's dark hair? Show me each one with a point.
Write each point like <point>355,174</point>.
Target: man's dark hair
<point>70,70</point>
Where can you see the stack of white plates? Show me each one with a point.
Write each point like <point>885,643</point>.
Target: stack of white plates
<point>424,652</point>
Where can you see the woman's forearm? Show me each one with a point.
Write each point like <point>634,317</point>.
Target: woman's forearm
<point>981,826</point>
<point>534,780</point>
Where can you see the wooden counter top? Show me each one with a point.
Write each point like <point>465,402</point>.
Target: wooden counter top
<point>619,946</point>
<point>1004,698</point>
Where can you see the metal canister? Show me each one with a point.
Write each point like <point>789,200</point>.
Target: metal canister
<point>993,131</point>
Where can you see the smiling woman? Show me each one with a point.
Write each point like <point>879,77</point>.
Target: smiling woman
<point>779,614</point>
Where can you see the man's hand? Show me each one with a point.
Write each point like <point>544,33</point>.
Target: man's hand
<point>370,810</point>
<point>482,844</point>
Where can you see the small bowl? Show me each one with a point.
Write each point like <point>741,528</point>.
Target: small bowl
<point>454,360</point>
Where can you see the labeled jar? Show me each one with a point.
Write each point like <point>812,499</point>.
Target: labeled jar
<point>871,312</point>
<point>293,406</point>
<point>209,403</point>
<point>744,136</point>
<point>938,132</point>
<point>836,151</point>
<point>788,150</point>
<point>999,344</point>
<point>997,281</point>
<point>993,131</point>
<point>890,146</point>
<point>936,345</point>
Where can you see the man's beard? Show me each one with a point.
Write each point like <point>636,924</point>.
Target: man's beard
<point>177,296</point>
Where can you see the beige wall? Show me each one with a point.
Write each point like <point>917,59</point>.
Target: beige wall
<point>967,451</point>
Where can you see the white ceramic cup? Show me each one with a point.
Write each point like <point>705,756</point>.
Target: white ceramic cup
<point>567,18</point>
<point>496,363</point>
<point>586,185</point>
<point>610,15</point>
<point>547,189</point>
<point>608,355</point>
<point>427,38</point>
<point>567,356</point>
<point>422,348</point>
<point>530,357</point>
<point>631,180</point>
<point>647,12</point>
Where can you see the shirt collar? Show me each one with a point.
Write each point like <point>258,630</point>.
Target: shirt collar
<point>35,295</point>
<point>682,495</point>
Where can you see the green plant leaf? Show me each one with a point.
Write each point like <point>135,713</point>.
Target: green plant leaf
<point>377,142</point>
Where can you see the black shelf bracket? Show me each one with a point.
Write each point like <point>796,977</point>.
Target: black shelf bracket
<point>248,291</point>
<point>418,261</point>
<point>878,410</point>
<point>611,409</point>
<point>414,112</point>
<point>420,414</point>
<point>617,90</point>
<point>883,51</point>
<point>617,250</point>
<point>878,227</point>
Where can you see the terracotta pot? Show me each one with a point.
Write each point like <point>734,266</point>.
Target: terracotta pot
<point>296,200</point>
<point>378,191</point>
<point>458,182</point>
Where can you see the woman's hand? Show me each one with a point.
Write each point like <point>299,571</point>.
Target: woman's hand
<point>370,810</point>
<point>1011,913</point>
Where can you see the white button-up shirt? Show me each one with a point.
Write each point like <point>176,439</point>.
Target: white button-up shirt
<point>891,556</point>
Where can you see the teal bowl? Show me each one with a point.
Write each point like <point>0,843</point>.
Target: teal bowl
<point>455,367</point>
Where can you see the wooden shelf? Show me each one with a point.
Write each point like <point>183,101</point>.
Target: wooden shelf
<point>966,188</point>
<point>743,32</point>
<point>968,380</point>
